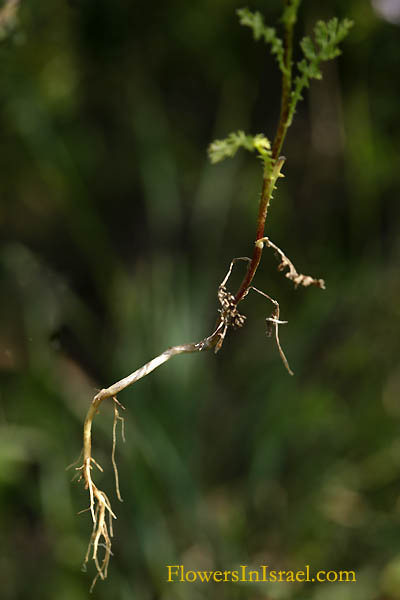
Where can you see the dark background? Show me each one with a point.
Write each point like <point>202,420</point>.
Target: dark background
<point>116,232</point>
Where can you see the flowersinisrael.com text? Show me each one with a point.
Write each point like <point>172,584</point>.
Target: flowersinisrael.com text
<point>262,574</point>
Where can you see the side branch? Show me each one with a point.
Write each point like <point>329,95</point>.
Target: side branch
<point>292,274</point>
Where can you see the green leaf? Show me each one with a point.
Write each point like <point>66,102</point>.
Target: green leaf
<point>328,36</point>
<point>227,147</point>
<point>262,145</point>
<point>255,21</point>
<point>307,45</point>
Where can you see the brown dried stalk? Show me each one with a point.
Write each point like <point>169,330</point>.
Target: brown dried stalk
<point>292,274</point>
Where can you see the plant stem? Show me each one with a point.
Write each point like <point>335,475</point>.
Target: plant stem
<point>286,90</point>
<point>272,174</point>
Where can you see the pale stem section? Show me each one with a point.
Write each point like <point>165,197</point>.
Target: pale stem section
<point>99,504</point>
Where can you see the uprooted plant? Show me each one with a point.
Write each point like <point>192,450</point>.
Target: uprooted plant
<point>324,46</point>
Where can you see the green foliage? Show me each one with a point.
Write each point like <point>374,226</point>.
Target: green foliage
<point>255,21</point>
<point>226,148</point>
<point>289,16</point>
<point>327,37</point>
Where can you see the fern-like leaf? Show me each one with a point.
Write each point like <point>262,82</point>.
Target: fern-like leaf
<point>226,148</point>
<point>328,36</point>
<point>255,21</point>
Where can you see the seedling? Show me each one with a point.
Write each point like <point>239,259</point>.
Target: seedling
<point>323,47</point>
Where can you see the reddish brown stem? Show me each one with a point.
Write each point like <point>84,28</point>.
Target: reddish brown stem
<point>269,178</point>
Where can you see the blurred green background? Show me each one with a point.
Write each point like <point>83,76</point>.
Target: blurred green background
<point>115,235</point>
